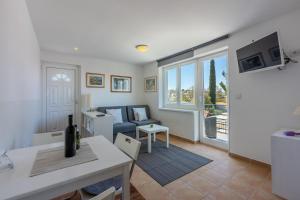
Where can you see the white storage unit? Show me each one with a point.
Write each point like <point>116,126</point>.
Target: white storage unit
<point>285,155</point>
<point>95,125</point>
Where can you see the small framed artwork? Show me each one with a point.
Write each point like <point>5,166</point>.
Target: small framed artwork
<point>150,84</point>
<point>94,80</point>
<point>120,83</point>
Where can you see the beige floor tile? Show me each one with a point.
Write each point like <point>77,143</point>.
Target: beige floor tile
<point>203,169</point>
<point>214,177</point>
<point>186,178</point>
<point>267,186</point>
<point>175,185</point>
<point>201,184</point>
<point>227,171</point>
<point>248,178</point>
<point>153,191</point>
<point>224,193</point>
<point>243,189</point>
<point>259,170</point>
<point>140,177</point>
<point>263,195</point>
<point>182,191</point>
<point>238,161</point>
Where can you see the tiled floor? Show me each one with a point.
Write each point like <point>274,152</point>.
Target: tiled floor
<point>225,178</point>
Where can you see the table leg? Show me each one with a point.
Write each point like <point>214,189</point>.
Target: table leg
<point>149,142</point>
<point>167,138</point>
<point>137,135</point>
<point>154,137</point>
<point>126,184</point>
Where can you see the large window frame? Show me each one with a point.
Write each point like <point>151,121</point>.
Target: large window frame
<point>178,104</point>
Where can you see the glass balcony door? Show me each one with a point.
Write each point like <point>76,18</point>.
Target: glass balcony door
<point>214,100</point>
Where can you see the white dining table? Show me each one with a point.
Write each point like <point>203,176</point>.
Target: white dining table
<point>17,183</point>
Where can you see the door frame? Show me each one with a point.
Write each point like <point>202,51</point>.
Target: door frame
<point>213,142</point>
<point>77,69</point>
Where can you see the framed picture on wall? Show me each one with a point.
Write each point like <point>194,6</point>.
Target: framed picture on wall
<point>150,84</point>
<point>94,80</point>
<point>120,83</point>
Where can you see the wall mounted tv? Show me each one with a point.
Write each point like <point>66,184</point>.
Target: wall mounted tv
<point>262,54</point>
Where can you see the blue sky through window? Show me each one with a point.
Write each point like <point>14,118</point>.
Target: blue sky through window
<point>172,79</point>
<point>187,76</point>
<point>189,70</point>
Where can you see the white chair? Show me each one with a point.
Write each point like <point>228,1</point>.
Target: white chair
<point>108,194</point>
<point>129,146</point>
<point>48,138</point>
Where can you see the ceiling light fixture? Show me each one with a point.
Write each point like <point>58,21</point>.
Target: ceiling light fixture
<point>142,48</point>
<point>76,49</point>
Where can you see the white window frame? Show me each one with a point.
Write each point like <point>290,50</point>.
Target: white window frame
<point>165,87</point>
<point>178,104</point>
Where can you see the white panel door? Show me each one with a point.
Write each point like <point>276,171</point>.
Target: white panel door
<point>60,97</point>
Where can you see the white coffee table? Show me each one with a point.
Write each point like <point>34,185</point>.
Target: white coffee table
<point>152,131</point>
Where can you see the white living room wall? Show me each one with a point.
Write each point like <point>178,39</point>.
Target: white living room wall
<point>268,98</point>
<point>103,96</point>
<point>19,76</point>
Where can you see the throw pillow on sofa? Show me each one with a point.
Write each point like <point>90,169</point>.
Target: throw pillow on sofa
<point>140,114</point>
<point>136,116</point>
<point>117,115</point>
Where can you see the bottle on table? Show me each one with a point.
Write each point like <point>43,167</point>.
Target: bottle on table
<point>70,145</point>
<point>77,139</point>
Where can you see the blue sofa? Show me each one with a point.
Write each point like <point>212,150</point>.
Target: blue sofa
<point>128,127</point>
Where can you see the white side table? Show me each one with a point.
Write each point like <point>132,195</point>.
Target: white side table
<point>285,165</point>
<point>152,131</point>
<point>95,125</point>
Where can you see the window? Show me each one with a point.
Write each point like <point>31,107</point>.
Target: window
<point>179,85</point>
<point>172,86</point>
<point>187,83</point>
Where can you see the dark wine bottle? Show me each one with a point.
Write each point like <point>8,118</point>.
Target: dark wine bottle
<point>77,138</point>
<point>70,147</point>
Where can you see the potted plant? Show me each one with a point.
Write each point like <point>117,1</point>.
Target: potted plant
<point>210,123</point>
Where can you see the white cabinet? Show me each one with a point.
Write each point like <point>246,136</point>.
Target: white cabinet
<point>95,124</point>
<point>285,155</point>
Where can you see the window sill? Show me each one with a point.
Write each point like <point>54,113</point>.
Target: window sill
<point>178,110</point>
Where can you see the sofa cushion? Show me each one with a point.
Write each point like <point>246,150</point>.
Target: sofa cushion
<point>123,111</point>
<point>117,115</point>
<point>146,122</point>
<point>131,113</point>
<point>124,127</point>
<point>140,114</point>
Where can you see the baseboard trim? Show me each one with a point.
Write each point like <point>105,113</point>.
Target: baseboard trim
<point>196,142</point>
<point>182,138</point>
<point>210,145</point>
<point>249,160</point>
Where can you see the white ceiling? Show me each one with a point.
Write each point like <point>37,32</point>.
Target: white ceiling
<point>110,29</point>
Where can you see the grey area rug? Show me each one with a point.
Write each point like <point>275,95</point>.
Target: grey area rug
<point>168,164</point>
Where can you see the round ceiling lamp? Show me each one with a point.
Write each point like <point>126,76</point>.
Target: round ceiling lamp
<point>142,48</point>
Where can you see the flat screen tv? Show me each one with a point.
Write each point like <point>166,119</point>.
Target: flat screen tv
<point>262,54</point>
